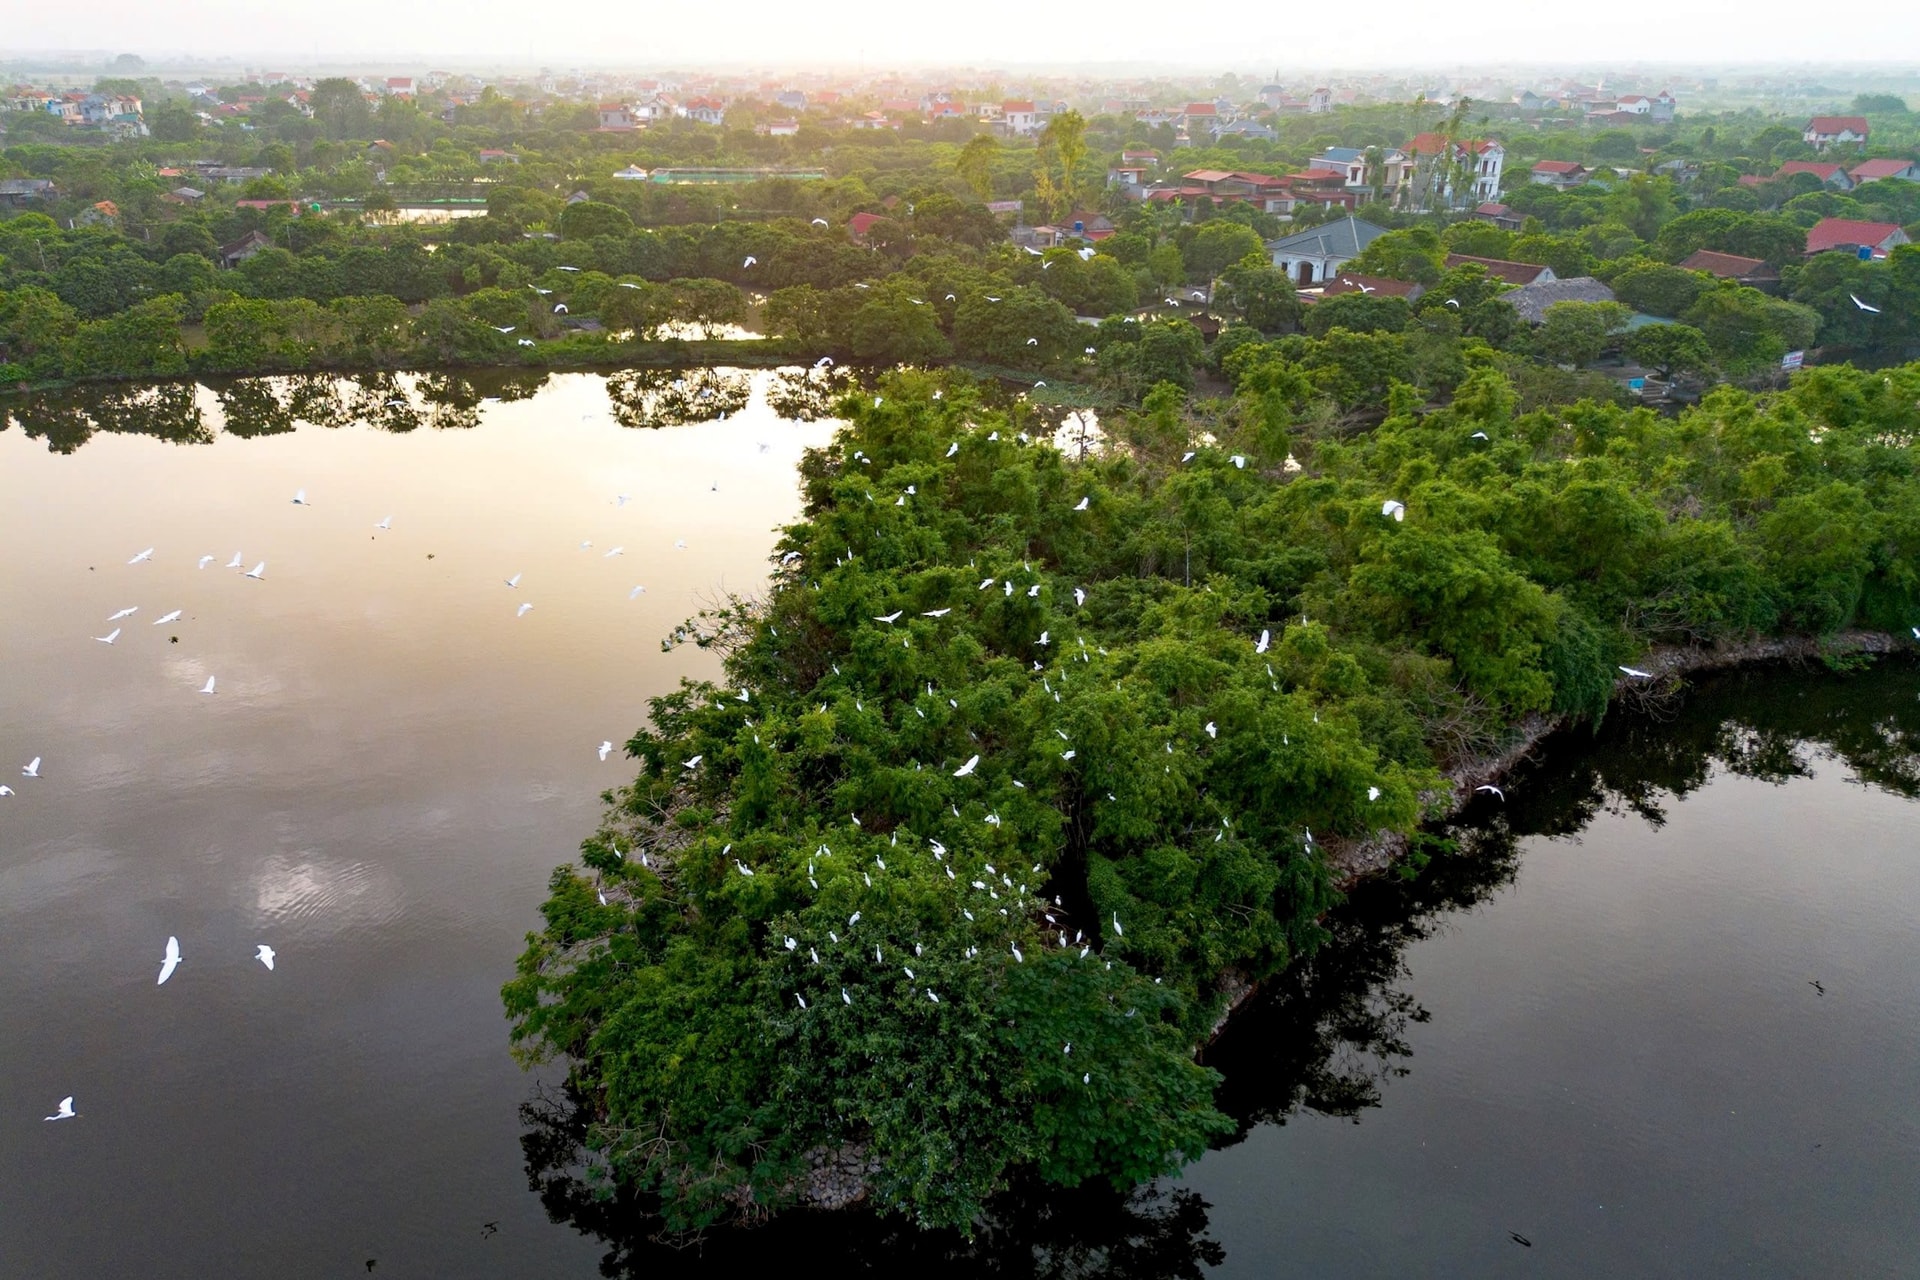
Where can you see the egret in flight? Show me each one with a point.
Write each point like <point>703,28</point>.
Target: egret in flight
<point>65,1111</point>
<point>1491,790</point>
<point>1638,674</point>
<point>514,581</point>
<point>889,618</point>
<point>1081,505</point>
<point>205,561</point>
<point>521,612</point>
<point>144,555</point>
<point>31,769</point>
<point>1261,645</point>
<point>264,954</point>
<point>963,771</point>
<point>1395,509</point>
<point>385,524</point>
<point>166,618</point>
<point>258,572</point>
<point>300,498</point>
<point>110,637</point>
<point>236,562</point>
<point>606,749</point>
<point>209,686</point>
<point>1870,309</point>
<point>170,961</point>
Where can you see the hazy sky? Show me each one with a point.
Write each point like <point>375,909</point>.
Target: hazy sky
<point>1223,34</point>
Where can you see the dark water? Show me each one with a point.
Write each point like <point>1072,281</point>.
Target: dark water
<point>1593,1025</point>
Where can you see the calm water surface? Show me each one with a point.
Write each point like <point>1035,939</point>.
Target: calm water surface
<point>1593,1027</point>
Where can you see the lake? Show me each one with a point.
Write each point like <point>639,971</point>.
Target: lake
<point>1589,1040</point>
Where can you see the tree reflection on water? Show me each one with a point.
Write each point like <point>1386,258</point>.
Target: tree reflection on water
<point>1329,1036</point>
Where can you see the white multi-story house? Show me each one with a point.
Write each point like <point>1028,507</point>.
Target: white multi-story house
<point>1453,173</point>
<point>1019,118</point>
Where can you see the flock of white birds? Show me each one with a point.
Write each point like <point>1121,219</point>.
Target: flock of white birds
<point>172,956</point>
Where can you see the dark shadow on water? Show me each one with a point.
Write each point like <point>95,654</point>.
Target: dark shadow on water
<point>1330,1035</point>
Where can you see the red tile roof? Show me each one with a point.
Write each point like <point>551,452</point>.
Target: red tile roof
<point>1559,166</point>
<point>1836,124</point>
<point>1016,106</point>
<point>1870,170</point>
<point>1841,233</point>
<point>860,223</point>
<point>1824,172</point>
<point>1499,268</point>
<point>1728,266</point>
<point>1201,109</point>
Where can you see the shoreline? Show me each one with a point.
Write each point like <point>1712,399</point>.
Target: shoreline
<point>1355,860</point>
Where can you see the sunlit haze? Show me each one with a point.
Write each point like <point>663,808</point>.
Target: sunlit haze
<point>1239,34</point>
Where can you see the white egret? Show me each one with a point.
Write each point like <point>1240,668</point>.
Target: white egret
<point>1082,504</point>
<point>1260,646</point>
<point>1212,732</point>
<point>1872,310</point>
<point>258,572</point>
<point>606,749</point>
<point>889,618</point>
<point>845,997</point>
<point>144,555</point>
<point>617,551</point>
<point>1239,461</point>
<point>6,791</point>
<point>300,498</point>
<point>1079,597</point>
<point>937,613</point>
<point>385,524</point>
<point>1017,957</point>
<point>744,869</point>
<point>31,768</point>
<point>692,762</point>
<point>1492,790</point>
<point>750,261</point>
<point>521,612</point>
<point>503,328</point>
<point>1373,793</point>
<point>796,995</point>
<point>236,562</point>
<point>205,561</point>
<point>124,613</point>
<point>821,222</point>
<point>166,618</point>
<point>65,1110</point>
<point>1395,509</point>
<point>110,637</point>
<point>264,954</point>
<point>209,685</point>
<point>170,961</point>
<point>967,768</point>
<point>1638,674</point>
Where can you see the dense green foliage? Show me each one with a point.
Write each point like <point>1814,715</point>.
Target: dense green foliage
<point>828,927</point>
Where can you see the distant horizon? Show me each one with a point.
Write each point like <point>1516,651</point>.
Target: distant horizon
<point>1399,36</point>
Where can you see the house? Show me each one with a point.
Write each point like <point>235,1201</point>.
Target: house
<point>494,156</point>
<point>778,128</point>
<point>615,115</point>
<point>1826,131</point>
<point>1317,254</point>
<point>183,195</point>
<point>791,99</point>
<point>1319,102</point>
<point>1531,301</point>
<point>1246,129</point>
<point>1519,273</point>
<point>18,193</point>
<point>1019,118</point>
<point>1680,170</point>
<point>1882,170</point>
<point>1832,175</point>
<point>861,223</point>
<point>232,255</point>
<point>632,173</point>
<point>1439,162</point>
<point>1865,239</point>
<point>705,111</point>
<point>1634,104</point>
<point>1755,273</point>
<point>1390,170</point>
<point>102,213</point>
<point>1500,216</point>
<point>1664,104</point>
<point>1272,95</point>
<point>1202,115</point>
<point>399,87</point>
<point>1560,174</point>
<point>1151,159</point>
<point>379,151</point>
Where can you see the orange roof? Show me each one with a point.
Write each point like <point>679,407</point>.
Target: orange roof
<point>1016,106</point>
<point>1824,172</point>
<point>1838,124</point>
<point>1869,170</point>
